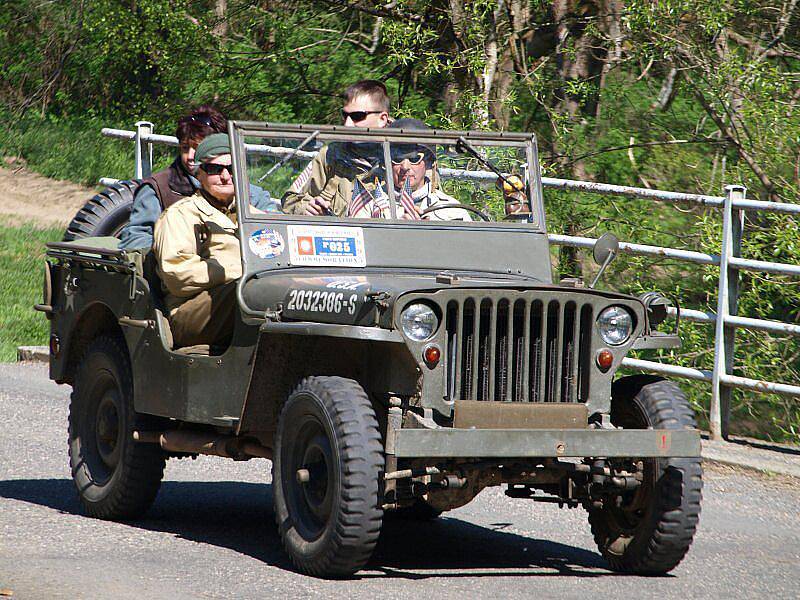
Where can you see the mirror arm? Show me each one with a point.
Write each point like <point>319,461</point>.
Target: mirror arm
<point>606,262</point>
<point>464,146</point>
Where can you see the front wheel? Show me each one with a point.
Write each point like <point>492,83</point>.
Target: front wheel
<point>650,530</point>
<point>326,472</point>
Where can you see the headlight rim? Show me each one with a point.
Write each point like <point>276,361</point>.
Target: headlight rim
<point>436,325</point>
<point>631,316</point>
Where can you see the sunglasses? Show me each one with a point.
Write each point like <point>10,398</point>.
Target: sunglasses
<point>359,115</point>
<point>216,169</point>
<point>412,157</point>
<point>203,119</point>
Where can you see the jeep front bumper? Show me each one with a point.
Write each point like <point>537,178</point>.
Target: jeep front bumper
<point>546,443</point>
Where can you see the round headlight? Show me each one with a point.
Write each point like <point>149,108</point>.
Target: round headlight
<point>419,322</point>
<point>615,325</point>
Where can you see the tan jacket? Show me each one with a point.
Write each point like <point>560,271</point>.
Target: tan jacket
<point>425,198</point>
<point>329,180</point>
<point>321,178</point>
<point>196,248</point>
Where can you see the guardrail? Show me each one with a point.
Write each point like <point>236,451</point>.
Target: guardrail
<point>733,206</point>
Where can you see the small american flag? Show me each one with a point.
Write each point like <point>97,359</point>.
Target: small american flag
<point>360,199</point>
<point>366,204</point>
<point>407,201</point>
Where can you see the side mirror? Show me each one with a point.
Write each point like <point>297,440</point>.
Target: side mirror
<point>605,248</point>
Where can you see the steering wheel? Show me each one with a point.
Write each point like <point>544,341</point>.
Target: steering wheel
<point>435,207</point>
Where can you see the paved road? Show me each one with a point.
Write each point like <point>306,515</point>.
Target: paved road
<point>210,534</point>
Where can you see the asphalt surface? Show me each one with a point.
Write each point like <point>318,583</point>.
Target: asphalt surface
<point>210,533</point>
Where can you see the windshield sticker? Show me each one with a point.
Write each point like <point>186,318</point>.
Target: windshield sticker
<point>327,246</point>
<point>266,243</point>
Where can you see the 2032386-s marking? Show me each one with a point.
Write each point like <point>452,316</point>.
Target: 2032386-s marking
<point>321,301</point>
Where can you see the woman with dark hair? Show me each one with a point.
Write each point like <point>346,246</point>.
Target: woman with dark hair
<point>165,188</point>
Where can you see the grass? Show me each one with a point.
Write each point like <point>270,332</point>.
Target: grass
<point>72,149</point>
<point>22,268</point>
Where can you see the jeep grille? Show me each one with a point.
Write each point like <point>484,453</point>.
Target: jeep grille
<point>518,349</point>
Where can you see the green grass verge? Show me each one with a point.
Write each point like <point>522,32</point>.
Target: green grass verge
<point>72,149</point>
<point>22,267</point>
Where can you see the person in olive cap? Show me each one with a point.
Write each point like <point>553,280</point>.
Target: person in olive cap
<point>164,188</point>
<point>197,252</point>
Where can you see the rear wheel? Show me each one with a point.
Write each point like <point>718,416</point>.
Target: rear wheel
<point>105,214</point>
<point>328,460</point>
<point>651,529</point>
<point>116,478</point>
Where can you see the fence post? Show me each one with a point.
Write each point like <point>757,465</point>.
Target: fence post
<point>727,304</point>
<point>144,150</point>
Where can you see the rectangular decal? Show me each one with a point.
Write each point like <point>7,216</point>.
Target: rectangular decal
<point>327,246</point>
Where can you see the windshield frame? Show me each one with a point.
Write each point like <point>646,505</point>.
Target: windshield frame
<point>239,130</point>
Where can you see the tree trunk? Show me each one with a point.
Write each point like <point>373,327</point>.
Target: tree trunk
<point>221,24</point>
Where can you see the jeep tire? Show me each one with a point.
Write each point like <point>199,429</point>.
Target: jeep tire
<point>116,478</point>
<point>652,529</point>
<point>105,214</point>
<point>330,520</point>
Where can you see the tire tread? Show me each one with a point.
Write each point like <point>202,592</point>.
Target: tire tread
<point>142,464</point>
<point>359,517</point>
<point>104,213</point>
<point>676,513</point>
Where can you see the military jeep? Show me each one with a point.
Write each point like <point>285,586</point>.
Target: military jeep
<point>383,364</point>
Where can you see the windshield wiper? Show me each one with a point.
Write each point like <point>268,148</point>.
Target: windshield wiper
<point>464,146</point>
<point>288,157</point>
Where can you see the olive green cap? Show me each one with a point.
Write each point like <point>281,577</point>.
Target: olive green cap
<point>212,146</point>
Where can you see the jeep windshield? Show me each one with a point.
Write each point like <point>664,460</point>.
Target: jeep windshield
<point>441,214</point>
<point>414,177</point>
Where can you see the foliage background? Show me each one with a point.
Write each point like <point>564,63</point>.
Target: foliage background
<point>671,94</point>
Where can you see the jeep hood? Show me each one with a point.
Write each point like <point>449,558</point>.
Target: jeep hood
<point>366,297</point>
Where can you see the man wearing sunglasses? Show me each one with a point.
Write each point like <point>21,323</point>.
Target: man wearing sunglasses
<point>414,168</point>
<point>164,188</point>
<point>326,184</point>
<point>197,251</point>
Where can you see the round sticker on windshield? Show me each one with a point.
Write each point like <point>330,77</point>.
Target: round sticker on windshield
<point>266,243</point>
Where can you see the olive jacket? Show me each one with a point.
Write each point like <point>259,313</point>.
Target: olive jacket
<point>325,178</point>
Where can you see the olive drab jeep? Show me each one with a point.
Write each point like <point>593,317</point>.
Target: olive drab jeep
<point>385,357</point>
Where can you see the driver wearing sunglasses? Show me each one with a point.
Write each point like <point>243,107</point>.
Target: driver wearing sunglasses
<point>197,251</point>
<point>414,165</point>
<point>326,184</point>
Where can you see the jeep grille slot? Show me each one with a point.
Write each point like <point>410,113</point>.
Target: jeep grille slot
<point>517,349</point>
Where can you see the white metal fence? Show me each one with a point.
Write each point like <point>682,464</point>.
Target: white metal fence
<point>726,320</point>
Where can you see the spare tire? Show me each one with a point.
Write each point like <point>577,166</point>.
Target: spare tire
<point>105,214</point>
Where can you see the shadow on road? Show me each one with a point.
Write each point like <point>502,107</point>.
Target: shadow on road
<point>239,516</point>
